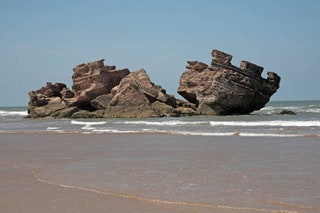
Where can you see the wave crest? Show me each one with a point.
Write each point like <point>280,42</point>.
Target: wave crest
<point>166,123</point>
<point>266,123</point>
<point>13,113</point>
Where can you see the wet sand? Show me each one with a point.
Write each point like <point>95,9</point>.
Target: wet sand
<point>158,173</point>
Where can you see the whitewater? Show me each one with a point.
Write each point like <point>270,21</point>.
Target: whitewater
<point>265,122</point>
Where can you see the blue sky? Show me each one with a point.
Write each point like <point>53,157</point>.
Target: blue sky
<point>42,41</point>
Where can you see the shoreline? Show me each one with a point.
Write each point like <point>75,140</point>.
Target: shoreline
<point>176,133</point>
<point>158,173</point>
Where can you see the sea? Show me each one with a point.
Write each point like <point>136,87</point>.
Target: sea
<point>265,122</point>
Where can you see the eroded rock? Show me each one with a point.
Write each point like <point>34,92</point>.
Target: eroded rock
<point>101,91</point>
<point>94,79</point>
<point>223,89</point>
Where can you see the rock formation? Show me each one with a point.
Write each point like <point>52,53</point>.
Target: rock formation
<point>48,100</point>
<point>94,79</point>
<point>287,112</point>
<point>103,91</point>
<point>224,89</point>
<point>136,96</point>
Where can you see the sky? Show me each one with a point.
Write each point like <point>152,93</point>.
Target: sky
<point>42,40</point>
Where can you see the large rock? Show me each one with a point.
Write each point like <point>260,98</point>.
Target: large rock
<point>102,91</point>
<point>48,100</point>
<point>94,79</point>
<point>222,89</point>
<point>137,96</point>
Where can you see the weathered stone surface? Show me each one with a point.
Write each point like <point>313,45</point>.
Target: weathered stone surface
<point>51,90</point>
<point>102,91</point>
<point>219,57</point>
<point>65,113</point>
<point>66,93</point>
<point>94,79</point>
<point>86,114</point>
<point>138,83</point>
<point>102,101</point>
<point>53,105</point>
<point>223,89</point>
<point>47,100</point>
<point>251,68</point>
<point>196,65</point>
<point>136,96</point>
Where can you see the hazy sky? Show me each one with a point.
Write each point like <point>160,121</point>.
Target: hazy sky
<point>42,41</point>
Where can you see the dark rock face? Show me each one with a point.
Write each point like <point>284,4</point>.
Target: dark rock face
<point>223,89</point>
<point>100,90</point>
<point>287,112</point>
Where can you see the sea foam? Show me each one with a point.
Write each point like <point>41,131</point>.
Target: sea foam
<point>12,113</point>
<point>267,123</point>
<point>88,123</point>
<point>166,123</point>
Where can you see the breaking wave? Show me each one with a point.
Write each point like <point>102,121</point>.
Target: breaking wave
<point>273,123</point>
<point>13,113</point>
<point>303,108</point>
<point>195,133</point>
<point>267,123</point>
<point>166,123</point>
<point>88,125</point>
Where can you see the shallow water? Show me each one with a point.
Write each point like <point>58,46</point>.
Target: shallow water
<point>213,174</point>
<point>264,162</point>
<point>265,122</point>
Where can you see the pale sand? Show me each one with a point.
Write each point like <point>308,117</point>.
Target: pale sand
<point>158,173</point>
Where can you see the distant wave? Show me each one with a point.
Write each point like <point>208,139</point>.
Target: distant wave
<point>267,123</point>
<point>279,123</point>
<point>298,109</point>
<point>13,113</point>
<point>244,134</point>
<point>166,123</point>
<point>115,131</point>
<point>316,110</point>
<point>195,133</point>
<point>88,123</point>
<point>156,131</point>
<point>55,130</point>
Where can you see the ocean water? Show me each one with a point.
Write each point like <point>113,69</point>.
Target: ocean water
<point>265,122</point>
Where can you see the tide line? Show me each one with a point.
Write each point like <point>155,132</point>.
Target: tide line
<point>157,201</point>
<point>292,205</point>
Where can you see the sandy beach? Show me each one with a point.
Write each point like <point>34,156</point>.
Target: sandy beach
<point>158,173</point>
